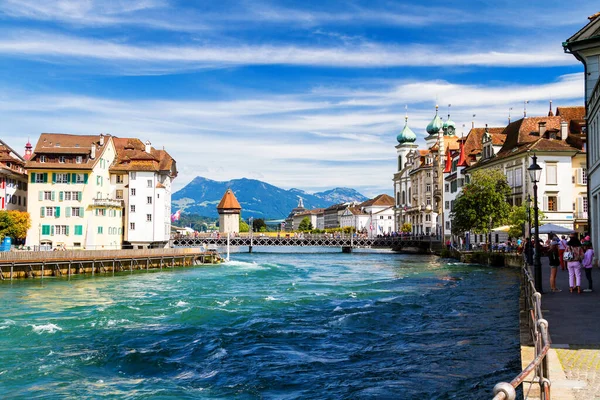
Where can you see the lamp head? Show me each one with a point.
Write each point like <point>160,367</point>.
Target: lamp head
<point>535,171</point>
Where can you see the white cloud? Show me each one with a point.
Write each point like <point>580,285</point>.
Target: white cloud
<point>319,139</point>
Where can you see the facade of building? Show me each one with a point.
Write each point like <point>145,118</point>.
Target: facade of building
<point>98,192</point>
<point>312,215</point>
<point>229,213</point>
<point>289,221</point>
<point>333,214</point>
<point>585,46</point>
<point>13,179</point>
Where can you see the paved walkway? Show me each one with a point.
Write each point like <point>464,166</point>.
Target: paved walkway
<point>574,323</point>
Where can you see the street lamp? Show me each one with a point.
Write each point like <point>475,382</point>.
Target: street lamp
<point>535,172</point>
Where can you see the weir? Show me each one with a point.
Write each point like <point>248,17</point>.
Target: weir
<point>26,264</point>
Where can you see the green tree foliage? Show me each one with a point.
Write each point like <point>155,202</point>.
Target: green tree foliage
<point>518,219</point>
<point>482,203</point>
<point>243,226</point>
<point>258,225</point>
<point>406,227</point>
<point>197,222</point>
<point>14,224</point>
<point>305,225</point>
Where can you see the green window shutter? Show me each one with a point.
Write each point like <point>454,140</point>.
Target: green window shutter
<point>54,177</point>
<point>68,178</point>
<point>79,196</point>
<point>61,196</point>
<point>85,178</point>
<point>45,175</point>
<point>81,212</point>
<point>42,211</point>
<point>53,195</point>
<point>78,230</point>
<point>40,195</point>
<point>96,212</point>
<point>67,230</point>
<point>74,178</point>
<point>68,212</point>
<point>45,229</point>
<point>51,230</point>
<point>57,212</point>
<point>32,177</point>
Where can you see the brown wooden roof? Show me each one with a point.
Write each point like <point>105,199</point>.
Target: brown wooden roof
<point>229,202</point>
<point>383,200</point>
<point>62,143</point>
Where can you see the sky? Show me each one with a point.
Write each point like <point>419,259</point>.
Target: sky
<point>300,94</point>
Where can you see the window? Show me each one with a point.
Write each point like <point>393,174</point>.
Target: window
<point>119,178</point>
<point>133,191</point>
<point>448,225</point>
<point>61,230</point>
<point>149,183</point>
<point>80,178</point>
<point>552,203</point>
<point>149,217</point>
<point>49,211</point>
<point>100,229</point>
<point>132,226</point>
<point>78,159</point>
<point>77,212</point>
<point>132,208</point>
<point>132,176</point>
<point>447,204</point>
<point>101,212</point>
<point>40,178</point>
<point>61,159</point>
<point>149,200</point>
<point>62,178</point>
<point>119,194</point>
<point>551,178</point>
<point>518,177</point>
<point>99,180</point>
<point>447,187</point>
<point>48,195</point>
<point>42,159</point>
<point>77,244</point>
<point>427,217</point>
<point>428,187</point>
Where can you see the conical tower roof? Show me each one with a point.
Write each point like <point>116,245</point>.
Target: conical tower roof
<point>229,202</point>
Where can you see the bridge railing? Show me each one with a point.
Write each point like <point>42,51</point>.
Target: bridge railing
<point>312,236</point>
<point>538,331</point>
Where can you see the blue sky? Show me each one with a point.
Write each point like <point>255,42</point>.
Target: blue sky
<point>304,94</point>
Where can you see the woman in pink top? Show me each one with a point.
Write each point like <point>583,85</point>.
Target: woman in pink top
<point>588,259</point>
<point>574,263</point>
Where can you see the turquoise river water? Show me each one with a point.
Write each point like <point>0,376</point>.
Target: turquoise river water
<point>264,326</point>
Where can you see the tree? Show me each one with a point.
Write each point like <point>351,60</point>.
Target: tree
<point>305,225</point>
<point>518,219</point>
<point>482,204</point>
<point>258,224</point>
<point>14,224</point>
<point>243,226</point>
<point>406,227</point>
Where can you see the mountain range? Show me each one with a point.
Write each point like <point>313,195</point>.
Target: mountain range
<point>257,198</point>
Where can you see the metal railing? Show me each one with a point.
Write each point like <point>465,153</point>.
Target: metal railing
<point>538,330</point>
<point>108,203</point>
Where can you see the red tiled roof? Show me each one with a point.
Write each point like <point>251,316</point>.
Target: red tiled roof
<point>50,144</point>
<point>383,200</point>
<point>229,202</point>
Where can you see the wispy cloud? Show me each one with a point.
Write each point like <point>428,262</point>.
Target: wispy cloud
<point>60,48</point>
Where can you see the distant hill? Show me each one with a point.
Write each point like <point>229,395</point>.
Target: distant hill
<point>258,199</point>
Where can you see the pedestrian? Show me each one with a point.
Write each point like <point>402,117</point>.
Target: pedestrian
<point>554,263</point>
<point>588,260</point>
<point>562,245</point>
<point>573,256</point>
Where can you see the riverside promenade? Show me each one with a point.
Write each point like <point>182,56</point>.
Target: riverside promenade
<point>575,335</point>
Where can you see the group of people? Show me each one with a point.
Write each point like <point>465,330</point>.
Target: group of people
<point>572,255</point>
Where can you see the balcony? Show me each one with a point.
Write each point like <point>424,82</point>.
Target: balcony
<point>580,215</point>
<point>108,203</point>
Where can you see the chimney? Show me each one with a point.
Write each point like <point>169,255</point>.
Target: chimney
<point>93,152</point>
<point>101,139</point>
<point>542,127</point>
<point>148,148</point>
<point>564,130</point>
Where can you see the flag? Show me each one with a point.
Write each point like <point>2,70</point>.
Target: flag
<point>176,216</point>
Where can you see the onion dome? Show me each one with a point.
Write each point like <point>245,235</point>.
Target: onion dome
<point>449,127</point>
<point>436,123</point>
<point>407,135</point>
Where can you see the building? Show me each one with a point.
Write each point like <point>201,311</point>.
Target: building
<point>374,216</point>
<point>229,210</point>
<point>289,221</point>
<point>13,179</point>
<point>141,177</point>
<point>312,215</point>
<point>98,192</point>
<point>558,141</point>
<point>585,46</point>
<point>402,183</point>
<point>69,197</point>
<point>333,214</point>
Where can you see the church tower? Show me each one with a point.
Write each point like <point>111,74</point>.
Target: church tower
<point>28,151</point>
<point>229,213</point>
<point>406,143</point>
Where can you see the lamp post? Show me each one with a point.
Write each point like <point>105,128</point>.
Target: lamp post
<point>535,172</point>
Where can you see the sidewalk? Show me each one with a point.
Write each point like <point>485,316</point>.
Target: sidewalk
<point>575,334</point>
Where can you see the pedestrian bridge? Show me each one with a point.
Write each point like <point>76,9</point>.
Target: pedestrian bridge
<point>346,242</point>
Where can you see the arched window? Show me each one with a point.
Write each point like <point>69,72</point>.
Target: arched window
<point>403,197</point>
<point>399,162</point>
<point>397,198</point>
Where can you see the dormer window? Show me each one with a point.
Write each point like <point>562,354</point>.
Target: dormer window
<point>78,159</point>
<point>61,159</point>
<point>42,159</point>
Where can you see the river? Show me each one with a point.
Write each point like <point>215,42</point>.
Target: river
<point>265,326</point>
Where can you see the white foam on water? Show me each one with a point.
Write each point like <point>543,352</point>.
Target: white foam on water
<point>209,374</point>
<point>7,324</point>
<point>133,308</point>
<point>181,303</point>
<point>47,328</point>
<point>270,298</point>
<point>221,352</point>
<point>353,295</point>
<point>338,308</point>
<point>243,264</point>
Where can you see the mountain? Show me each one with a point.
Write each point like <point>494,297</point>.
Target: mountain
<point>258,199</point>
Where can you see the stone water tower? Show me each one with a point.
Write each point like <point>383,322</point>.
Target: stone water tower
<point>229,213</point>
